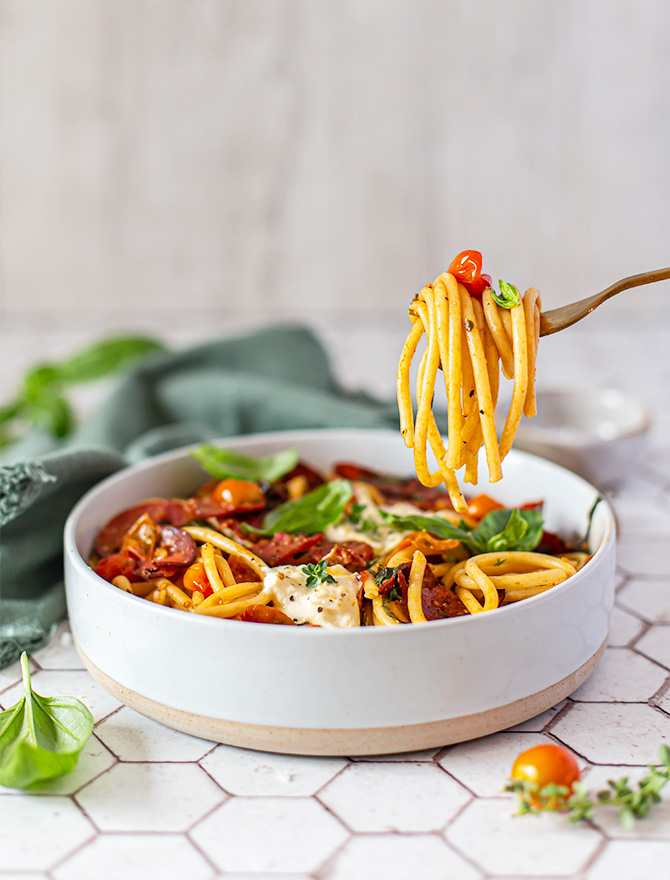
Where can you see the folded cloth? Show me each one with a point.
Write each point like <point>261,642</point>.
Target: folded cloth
<point>277,378</point>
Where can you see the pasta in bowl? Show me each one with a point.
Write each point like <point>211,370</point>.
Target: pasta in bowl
<point>352,689</point>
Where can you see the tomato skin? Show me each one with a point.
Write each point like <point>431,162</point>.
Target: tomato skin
<point>114,565</point>
<point>466,267</point>
<point>480,505</point>
<point>195,578</point>
<point>545,764</point>
<point>237,492</point>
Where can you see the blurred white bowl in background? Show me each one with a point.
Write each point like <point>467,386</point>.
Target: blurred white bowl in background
<point>598,433</point>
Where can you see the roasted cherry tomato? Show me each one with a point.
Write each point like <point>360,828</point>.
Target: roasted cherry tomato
<point>480,505</point>
<point>467,268</point>
<point>195,578</point>
<point>264,614</point>
<point>546,764</point>
<point>114,565</point>
<point>237,493</point>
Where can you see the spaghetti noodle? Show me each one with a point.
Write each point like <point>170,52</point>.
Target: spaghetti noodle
<point>468,332</point>
<point>391,554</point>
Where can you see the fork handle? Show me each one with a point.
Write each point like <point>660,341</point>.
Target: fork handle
<point>552,322</point>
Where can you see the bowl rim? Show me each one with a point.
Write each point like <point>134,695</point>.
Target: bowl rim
<point>295,436</point>
<point>530,429</point>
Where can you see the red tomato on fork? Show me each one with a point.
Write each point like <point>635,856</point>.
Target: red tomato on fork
<point>466,267</point>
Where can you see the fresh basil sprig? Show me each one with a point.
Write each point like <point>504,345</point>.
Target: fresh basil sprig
<point>317,573</point>
<point>498,531</point>
<point>224,463</point>
<point>42,401</point>
<point>309,514</point>
<point>508,296</point>
<point>41,737</point>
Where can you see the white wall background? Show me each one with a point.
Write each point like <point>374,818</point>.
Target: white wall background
<point>197,164</point>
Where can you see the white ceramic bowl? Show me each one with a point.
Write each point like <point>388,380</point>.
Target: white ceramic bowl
<point>342,691</point>
<point>598,433</point>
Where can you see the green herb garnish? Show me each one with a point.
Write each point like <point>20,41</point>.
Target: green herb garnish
<point>498,531</point>
<point>508,296</point>
<point>42,402</point>
<point>363,523</point>
<point>309,514</point>
<point>632,803</point>
<point>225,463</point>
<point>41,737</point>
<point>317,573</point>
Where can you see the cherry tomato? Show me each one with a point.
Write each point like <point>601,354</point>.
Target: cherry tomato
<point>114,565</point>
<point>546,764</point>
<point>236,493</point>
<point>479,285</point>
<point>195,578</point>
<point>467,268</point>
<point>480,505</point>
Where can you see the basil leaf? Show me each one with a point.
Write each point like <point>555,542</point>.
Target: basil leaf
<point>499,530</point>
<point>224,463</point>
<point>41,737</point>
<point>508,296</point>
<point>309,514</point>
<point>436,525</point>
<point>509,530</point>
<point>106,357</point>
<point>52,412</point>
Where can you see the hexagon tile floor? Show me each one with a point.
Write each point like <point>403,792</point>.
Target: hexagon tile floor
<point>145,802</point>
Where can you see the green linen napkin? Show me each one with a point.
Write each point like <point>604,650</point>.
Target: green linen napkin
<point>277,378</point>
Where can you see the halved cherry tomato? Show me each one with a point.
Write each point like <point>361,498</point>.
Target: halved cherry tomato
<point>140,539</point>
<point>265,614</point>
<point>195,578</point>
<point>237,492</point>
<point>546,764</point>
<point>466,267</point>
<point>480,505</point>
<point>114,565</point>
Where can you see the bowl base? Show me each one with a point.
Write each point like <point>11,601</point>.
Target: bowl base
<point>348,741</point>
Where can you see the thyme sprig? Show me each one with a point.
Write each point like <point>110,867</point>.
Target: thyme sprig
<point>317,573</point>
<point>632,803</point>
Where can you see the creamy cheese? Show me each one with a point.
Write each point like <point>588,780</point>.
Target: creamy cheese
<point>324,604</point>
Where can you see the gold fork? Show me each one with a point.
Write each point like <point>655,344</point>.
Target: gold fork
<point>558,319</point>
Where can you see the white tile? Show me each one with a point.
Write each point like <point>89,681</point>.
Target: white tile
<point>62,828</point>
<point>620,733</point>
<point>631,860</point>
<point>394,797</point>
<point>649,599</point>
<point>528,846</point>
<point>10,875</point>
<point>643,557</point>
<point>60,653</point>
<point>624,628</point>
<point>621,676</point>
<point>93,760</point>
<point>241,771</point>
<point>539,722</point>
<point>655,826</point>
<point>51,683</point>
<point>136,857</point>
<point>655,643</point>
<point>134,737</point>
<point>269,834</point>
<point>641,517</point>
<point>149,797</point>
<point>485,765</point>
<point>398,857</point>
